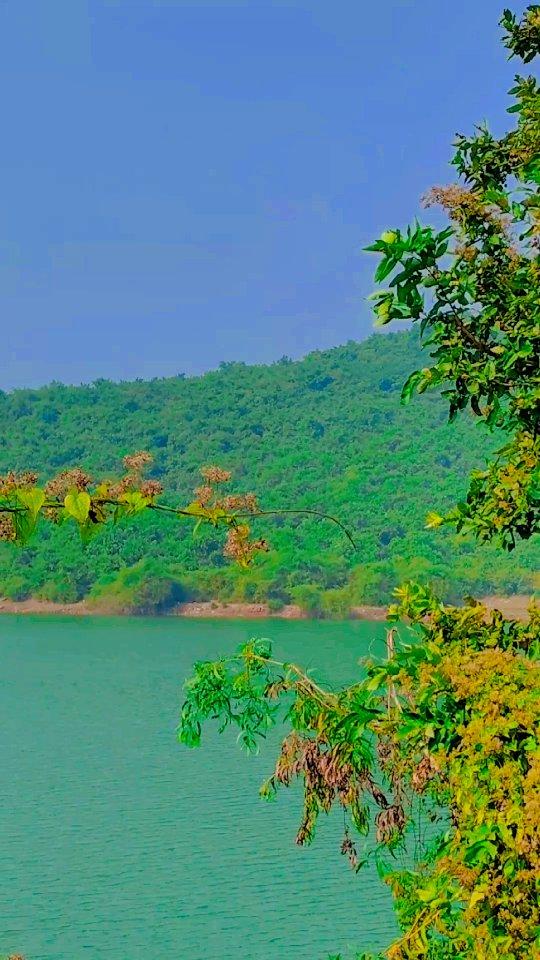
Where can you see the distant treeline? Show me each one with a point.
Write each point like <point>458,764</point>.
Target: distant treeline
<point>327,432</point>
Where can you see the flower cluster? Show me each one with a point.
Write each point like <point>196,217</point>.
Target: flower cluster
<point>133,480</point>
<point>7,527</point>
<point>59,486</point>
<point>151,489</point>
<point>466,207</point>
<point>204,494</point>
<point>207,495</point>
<point>240,548</point>
<point>11,481</point>
<point>459,201</point>
<point>215,475</point>
<point>137,462</point>
<point>236,503</point>
<point>227,508</point>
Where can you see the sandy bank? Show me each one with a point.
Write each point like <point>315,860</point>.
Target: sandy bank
<point>194,610</point>
<point>237,611</point>
<point>47,606</point>
<point>256,611</point>
<point>513,607</point>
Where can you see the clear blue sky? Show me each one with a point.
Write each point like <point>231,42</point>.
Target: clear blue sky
<point>190,182</point>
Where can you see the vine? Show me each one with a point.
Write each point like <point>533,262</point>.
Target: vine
<point>73,496</point>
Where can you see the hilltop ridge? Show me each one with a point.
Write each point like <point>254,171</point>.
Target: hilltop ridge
<point>325,432</point>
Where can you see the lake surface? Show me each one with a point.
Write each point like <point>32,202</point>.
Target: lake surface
<point>116,842</point>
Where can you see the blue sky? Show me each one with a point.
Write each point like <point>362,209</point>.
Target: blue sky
<point>191,182</point>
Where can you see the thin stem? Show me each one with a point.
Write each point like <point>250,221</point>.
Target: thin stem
<point>313,513</point>
<point>178,511</point>
<point>309,684</point>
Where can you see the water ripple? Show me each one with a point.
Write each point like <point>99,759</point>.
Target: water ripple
<point>116,842</point>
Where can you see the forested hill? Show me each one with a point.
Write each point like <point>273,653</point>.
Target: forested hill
<point>326,432</point>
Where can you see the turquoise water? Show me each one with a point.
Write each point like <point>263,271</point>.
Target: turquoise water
<point>116,842</point>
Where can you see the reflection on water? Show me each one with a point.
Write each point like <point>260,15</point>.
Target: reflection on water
<point>118,843</point>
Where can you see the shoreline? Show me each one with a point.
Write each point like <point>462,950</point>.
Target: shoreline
<point>201,610</point>
<point>513,607</point>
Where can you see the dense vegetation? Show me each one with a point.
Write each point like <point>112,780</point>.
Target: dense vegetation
<point>327,432</point>
<point>445,732</point>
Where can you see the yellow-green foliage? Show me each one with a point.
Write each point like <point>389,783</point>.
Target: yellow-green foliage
<point>465,731</point>
<point>449,721</point>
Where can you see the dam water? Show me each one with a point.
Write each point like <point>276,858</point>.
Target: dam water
<point>117,842</point>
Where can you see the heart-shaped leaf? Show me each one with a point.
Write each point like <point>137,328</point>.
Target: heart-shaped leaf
<point>77,504</point>
<point>32,498</point>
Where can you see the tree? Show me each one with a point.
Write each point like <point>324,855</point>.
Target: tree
<point>474,289</point>
<point>450,721</point>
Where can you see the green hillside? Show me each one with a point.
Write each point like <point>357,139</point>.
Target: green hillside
<point>326,432</point>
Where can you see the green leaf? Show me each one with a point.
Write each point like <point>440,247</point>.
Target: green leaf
<point>411,386</point>
<point>385,267</point>
<point>88,530</point>
<point>376,247</point>
<point>25,520</point>
<point>196,509</point>
<point>532,170</point>
<point>433,520</point>
<point>32,498</point>
<point>480,852</point>
<point>134,502</point>
<point>77,504</point>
